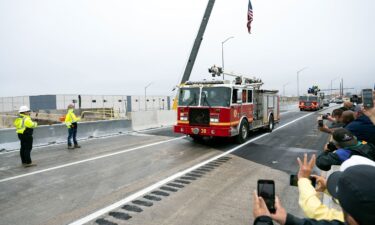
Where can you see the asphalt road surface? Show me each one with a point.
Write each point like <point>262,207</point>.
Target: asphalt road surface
<point>156,177</point>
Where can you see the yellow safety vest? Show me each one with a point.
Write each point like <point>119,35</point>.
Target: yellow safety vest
<point>23,122</point>
<point>70,118</point>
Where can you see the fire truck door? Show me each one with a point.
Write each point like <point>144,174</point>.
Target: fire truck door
<point>240,101</point>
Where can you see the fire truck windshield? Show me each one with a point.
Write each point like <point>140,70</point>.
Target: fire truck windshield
<point>188,97</point>
<point>308,98</point>
<point>210,96</point>
<point>215,96</point>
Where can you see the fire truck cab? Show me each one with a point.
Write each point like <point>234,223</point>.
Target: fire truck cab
<point>221,108</point>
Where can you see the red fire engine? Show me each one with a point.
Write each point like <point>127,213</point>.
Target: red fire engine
<point>310,102</point>
<point>224,108</point>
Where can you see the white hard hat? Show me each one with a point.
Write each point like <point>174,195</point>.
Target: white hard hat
<point>24,109</point>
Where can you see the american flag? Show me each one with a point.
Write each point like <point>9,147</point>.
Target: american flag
<point>249,17</point>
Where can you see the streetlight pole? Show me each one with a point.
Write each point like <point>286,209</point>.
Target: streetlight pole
<point>146,95</point>
<point>332,82</point>
<point>222,52</point>
<point>298,79</point>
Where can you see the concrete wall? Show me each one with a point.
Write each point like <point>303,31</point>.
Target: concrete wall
<point>8,104</point>
<point>121,104</point>
<point>42,102</point>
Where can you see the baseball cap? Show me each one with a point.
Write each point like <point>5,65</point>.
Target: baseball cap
<point>354,187</point>
<point>344,138</point>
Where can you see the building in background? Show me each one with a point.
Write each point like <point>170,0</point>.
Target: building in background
<point>120,104</point>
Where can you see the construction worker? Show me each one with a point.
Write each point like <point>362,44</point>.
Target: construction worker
<point>24,128</point>
<point>71,122</point>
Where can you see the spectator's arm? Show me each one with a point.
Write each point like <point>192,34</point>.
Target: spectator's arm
<point>292,220</point>
<point>30,124</point>
<point>311,204</point>
<point>325,160</point>
<point>325,129</point>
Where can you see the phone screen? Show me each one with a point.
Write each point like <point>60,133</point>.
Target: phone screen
<point>320,123</point>
<point>266,190</point>
<point>367,99</point>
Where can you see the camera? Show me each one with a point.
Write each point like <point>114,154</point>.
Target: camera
<point>293,181</point>
<point>324,117</point>
<point>331,146</point>
<point>320,123</point>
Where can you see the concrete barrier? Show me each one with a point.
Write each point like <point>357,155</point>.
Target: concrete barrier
<point>44,135</point>
<point>153,119</point>
<point>58,133</point>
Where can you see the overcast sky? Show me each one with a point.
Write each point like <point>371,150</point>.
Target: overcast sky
<point>119,46</point>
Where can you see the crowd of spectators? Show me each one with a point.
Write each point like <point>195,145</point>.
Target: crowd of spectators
<point>352,187</point>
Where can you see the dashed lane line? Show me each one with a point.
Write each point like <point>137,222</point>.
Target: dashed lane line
<point>146,190</point>
<point>88,160</point>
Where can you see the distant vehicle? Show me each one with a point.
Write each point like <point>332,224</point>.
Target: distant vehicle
<point>325,102</point>
<point>339,101</point>
<point>310,102</point>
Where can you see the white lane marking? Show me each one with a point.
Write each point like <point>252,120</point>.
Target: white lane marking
<point>170,178</point>
<point>88,160</point>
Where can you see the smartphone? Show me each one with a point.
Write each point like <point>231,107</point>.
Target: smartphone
<point>367,98</point>
<point>294,180</point>
<point>320,123</point>
<point>266,190</point>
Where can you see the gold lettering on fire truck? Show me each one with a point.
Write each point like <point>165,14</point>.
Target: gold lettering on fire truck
<point>235,113</point>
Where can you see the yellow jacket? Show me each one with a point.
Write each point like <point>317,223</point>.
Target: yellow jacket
<point>312,206</point>
<point>70,118</point>
<point>23,122</point>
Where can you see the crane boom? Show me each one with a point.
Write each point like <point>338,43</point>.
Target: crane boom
<point>197,42</point>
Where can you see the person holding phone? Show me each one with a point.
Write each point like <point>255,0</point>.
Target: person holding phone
<point>369,110</point>
<point>309,202</point>
<point>347,145</point>
<point>353,186</point>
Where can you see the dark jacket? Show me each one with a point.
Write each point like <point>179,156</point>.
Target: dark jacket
<point>363,129</point>
<point>292,220</point>
<point>325,160</point>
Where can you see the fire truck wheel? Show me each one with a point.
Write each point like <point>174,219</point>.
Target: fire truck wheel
<point>243,132</point>
<point>271,124</point>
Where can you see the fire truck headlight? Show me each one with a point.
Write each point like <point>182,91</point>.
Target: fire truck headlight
<point>184,118</point>
<point>214,120</point>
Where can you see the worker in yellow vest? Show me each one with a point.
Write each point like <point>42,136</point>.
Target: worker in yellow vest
<point>24,128</point>
<point>71,122</point>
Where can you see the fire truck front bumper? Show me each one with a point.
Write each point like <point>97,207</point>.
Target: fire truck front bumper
<point>309,107</point>
<point>204,131</point>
